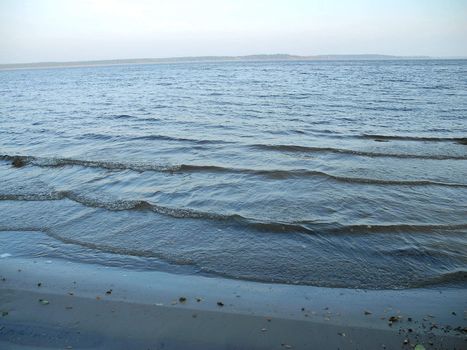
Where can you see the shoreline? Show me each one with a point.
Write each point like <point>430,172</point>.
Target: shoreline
<point>94,306</point>
<point>218,59</point>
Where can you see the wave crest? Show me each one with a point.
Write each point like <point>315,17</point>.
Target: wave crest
<point>305,227</point>
<point>194,168</point>
<point>309,149</point>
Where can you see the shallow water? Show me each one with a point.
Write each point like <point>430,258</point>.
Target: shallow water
<point>341,174</point>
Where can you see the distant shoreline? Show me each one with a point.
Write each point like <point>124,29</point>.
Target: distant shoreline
<point>277,57</point>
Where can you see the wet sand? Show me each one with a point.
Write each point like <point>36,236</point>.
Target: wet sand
<point>54,304</point>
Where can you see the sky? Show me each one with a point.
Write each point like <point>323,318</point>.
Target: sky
<point>76,30</point>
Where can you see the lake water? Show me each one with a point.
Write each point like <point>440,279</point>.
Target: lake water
<point>339,174</point>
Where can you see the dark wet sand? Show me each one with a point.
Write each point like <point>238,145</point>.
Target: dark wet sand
<point>59,305</point>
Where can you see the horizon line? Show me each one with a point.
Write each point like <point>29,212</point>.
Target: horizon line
<point>214,58</point>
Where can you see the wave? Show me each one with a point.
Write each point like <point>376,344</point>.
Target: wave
<point>403,228</point>
<point>178,139</point>
<point>134,118</point>
<point>59,162</point>
<point>144,253</point>
<point>452,277</point>
<point>309,149</point>
<point>142,205</point>
<point>116,205</point>
<point>47,196</point>
<point>422,252</point>
<point>95,136</point>
<point>19,161</point>
<point>152,137</point>
<point>123,116</point>
<point>306,227</point>
<point>459,276</point>
<point>317,228</point>
<point>461,140</point>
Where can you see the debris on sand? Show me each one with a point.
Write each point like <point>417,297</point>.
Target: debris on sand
<point>393,319</point>
<point>39,284</point>
<point>220,303</point>
<point>182,300</point>
<point>198,300</point>
<point>109,292</point>
<point>366,312</point>
<point>4,313</point>
<point>264,329</point>
<point>44,302</point>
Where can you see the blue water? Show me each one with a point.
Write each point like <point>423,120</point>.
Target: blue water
<point>340,174</point>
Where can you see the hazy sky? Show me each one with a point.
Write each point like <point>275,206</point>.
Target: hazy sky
<point>65,30</point>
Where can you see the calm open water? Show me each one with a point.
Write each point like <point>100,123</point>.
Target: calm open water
<point>340,174</point>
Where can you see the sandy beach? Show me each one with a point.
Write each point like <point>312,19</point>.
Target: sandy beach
<point>55,304</point>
